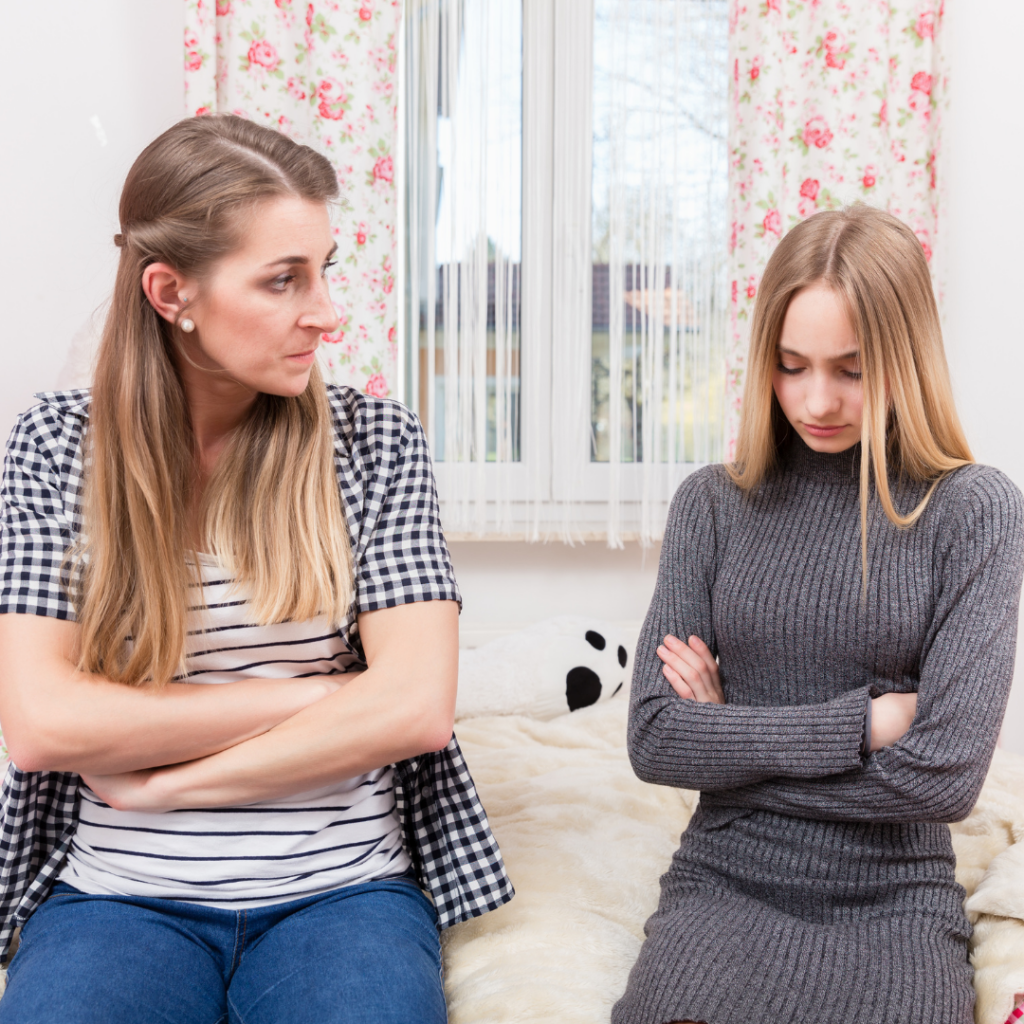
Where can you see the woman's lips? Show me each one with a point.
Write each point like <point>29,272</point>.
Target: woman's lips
<point>304,357</point>
<point>817,431</point>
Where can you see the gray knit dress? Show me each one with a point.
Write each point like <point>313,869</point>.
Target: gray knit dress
<point>815,883</point>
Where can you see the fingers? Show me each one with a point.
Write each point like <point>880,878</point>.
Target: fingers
<point>698,672</point>
<point>677,683</point>
<point>702,649</point>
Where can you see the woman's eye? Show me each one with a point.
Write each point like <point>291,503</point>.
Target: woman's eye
<point>853,374</point>
<point>327,266</point>
<point>782,368</point>
<point>280,283</point>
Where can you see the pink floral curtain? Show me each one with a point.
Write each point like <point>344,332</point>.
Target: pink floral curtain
<point>325,74</point>
<point>832,101</point>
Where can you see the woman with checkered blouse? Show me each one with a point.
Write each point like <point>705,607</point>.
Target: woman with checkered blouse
<point>228,640</point>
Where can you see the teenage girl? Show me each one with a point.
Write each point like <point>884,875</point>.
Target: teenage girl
<point>827,658</point>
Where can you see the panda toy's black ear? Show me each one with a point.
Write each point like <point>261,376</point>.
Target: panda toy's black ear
<point>596,640</point>
<point>623,656</point>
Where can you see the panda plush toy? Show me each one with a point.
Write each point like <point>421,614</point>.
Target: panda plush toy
<point>552,668</point>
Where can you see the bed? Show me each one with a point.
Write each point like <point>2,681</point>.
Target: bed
<point>585,842</point>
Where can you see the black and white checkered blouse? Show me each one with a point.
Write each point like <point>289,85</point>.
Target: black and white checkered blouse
<point>399,554</point>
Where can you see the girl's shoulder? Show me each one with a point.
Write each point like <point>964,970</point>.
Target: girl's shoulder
<point>977,499</point>
<point>709,486</point>
<point>979,486</point>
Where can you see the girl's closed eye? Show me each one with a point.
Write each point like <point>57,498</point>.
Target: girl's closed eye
<point>782,368</point>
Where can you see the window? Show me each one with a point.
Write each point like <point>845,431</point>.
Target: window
<point>564,259</point>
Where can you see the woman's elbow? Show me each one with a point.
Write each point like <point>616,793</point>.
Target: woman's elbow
<point>437,735</point>
<point>26,736</point>
<point>28,753</point>
<point>431,727</point>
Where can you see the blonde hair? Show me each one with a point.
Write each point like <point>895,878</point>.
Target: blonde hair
<point>876,264</point>
<point>272,510</point>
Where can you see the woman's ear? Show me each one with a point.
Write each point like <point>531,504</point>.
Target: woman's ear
<point>168,291</point>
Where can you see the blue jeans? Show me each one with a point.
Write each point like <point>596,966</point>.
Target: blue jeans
<point>362,954</point>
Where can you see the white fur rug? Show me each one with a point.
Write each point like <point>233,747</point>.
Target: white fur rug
<point>586,842</point>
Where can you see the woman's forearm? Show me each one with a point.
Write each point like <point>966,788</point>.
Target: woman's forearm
<point>401,707</point>
<point>106,728</point>
<point>56,718</point>
<point>375,721</point>
<point>99,727</point>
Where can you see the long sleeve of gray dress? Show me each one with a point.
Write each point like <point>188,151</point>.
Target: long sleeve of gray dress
<point>805,760</point>
<point>936,770</point>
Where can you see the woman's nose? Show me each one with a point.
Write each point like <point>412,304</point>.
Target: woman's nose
<point>323,315</point>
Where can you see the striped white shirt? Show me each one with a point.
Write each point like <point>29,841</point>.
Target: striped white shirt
<point>264,853</point>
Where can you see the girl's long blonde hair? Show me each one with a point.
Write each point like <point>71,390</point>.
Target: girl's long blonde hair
<point>875,263</point>
<point>272,509</point>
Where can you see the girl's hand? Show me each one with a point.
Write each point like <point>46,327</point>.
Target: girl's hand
<point>891,716</point>
<point>691,670</point>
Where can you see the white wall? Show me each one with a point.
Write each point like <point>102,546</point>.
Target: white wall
<point>984,308</point>
<point>85,87</point>
<point>507,584</point>
<point>120,61</point>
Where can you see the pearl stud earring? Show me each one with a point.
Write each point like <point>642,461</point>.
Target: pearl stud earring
<point>187,326</point>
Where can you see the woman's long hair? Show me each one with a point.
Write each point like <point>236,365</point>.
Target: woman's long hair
<point>272,510</point>
<point>876,265</point>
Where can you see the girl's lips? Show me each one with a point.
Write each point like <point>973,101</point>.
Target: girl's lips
<point>304,357</point>
<point>817,431</point>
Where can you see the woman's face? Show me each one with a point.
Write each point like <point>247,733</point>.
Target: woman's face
<point>817,377</point>
<point>260,312</point>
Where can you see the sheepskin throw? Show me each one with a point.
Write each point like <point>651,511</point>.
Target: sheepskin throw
<point>586,842</point>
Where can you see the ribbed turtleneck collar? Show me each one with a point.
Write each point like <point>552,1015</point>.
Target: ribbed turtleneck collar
<point>840,468</point>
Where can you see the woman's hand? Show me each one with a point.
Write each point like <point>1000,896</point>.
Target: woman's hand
<point>891,716</point>
<point>129,791</point>
<point>691,670</point>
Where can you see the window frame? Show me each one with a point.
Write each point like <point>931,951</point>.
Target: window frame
<point>552,479</point>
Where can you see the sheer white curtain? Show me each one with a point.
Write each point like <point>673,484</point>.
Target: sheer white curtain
<point>595,216</point>
<point>463,132</point>
<point>659,250</point>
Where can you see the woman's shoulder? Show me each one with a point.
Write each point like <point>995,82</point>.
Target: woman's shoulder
<point>363,420</point>
<point>55,425</point>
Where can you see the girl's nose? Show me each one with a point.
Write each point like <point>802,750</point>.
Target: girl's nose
<point>823,399</point>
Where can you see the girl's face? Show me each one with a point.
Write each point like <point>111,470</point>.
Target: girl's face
<point>260,312</point>
<point>817,377</point>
